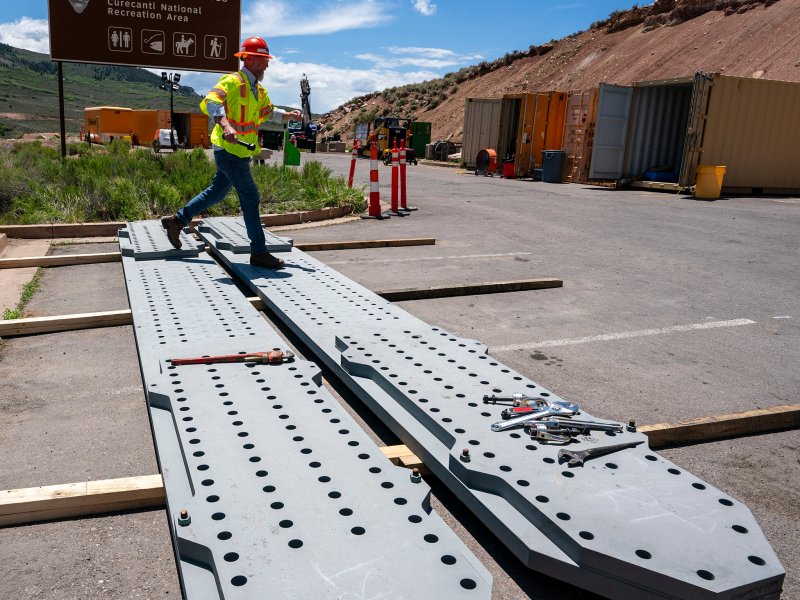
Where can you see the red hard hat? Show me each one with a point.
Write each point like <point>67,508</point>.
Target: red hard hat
<point>255,46</point>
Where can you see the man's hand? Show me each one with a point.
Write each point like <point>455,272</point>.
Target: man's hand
<point>228,132</point>
<point>295,115</point>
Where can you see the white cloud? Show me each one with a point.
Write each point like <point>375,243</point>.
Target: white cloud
<point>426,58</point>
<point>425,7</point>
<point>330,86</point>
<point>432,52</point>
<point>406,61</point>
<point>27,33</point>
<point>277,18</point>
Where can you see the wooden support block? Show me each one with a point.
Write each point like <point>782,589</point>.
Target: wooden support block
<point>45,503</point>
<point>446,291</point>
<point>59,261</point>
<point>257,302</point>
<point>360,244</point>
<point>111,318</point>
<point>401,455</point>
<point>707,429</point>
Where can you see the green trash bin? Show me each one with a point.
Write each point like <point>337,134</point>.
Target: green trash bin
<point>553,165</point>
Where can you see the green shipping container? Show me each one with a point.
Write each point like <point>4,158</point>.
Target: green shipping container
<point>421,135</point>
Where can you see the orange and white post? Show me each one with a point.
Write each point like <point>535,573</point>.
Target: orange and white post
<point>353,163</point>
<point>395,164</point>
<point>374,211</point>
<point>403,206</point>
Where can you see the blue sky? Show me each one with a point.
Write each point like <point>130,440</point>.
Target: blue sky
<point>349,48</point>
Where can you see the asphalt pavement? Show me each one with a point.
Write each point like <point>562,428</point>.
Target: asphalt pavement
<point>671,308</point>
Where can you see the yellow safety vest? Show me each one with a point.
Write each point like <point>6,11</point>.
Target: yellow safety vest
<point>244,112</point>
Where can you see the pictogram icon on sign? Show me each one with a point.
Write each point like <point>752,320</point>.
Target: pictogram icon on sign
<point>152,41</point>
<point>120,39</point>
<point>183,44</point>
<point>79,5</point>
<point>214,46</point>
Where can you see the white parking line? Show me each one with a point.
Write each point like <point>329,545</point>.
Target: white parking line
<point>782,317</point>
<point>620,336</point>
<point>377,260</point>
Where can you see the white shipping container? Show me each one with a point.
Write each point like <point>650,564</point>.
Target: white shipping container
<point>481,128</point>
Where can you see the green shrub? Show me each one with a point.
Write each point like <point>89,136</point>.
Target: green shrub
<point>117,183</point>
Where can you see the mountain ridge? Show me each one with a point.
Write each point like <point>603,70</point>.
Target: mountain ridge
<point>668,39</point>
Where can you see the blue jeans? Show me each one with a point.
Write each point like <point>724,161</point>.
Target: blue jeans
<point>232,171</point>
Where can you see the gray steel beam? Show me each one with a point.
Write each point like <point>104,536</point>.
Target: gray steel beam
<point>285,495</point>
<point>627,525</point>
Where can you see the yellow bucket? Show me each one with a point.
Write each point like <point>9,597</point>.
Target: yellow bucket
<point>709,182</point>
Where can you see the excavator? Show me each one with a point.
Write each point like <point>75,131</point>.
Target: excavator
<point>305,131</point>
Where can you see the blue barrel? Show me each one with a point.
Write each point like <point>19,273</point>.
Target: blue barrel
<point>553,165</point>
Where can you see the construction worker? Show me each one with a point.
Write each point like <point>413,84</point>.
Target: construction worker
<point>238,104</point>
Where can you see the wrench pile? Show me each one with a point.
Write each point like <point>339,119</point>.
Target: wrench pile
<point>545,420</point>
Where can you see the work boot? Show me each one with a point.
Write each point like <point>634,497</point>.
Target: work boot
<point>174,226</point>
<point>266,260</point>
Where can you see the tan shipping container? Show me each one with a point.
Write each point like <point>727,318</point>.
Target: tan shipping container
<point>578,134</point>
<point>752,126</point>
<point>481,126</point>
<point>656,133</point>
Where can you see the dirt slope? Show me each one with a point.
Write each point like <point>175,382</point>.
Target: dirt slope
<point>759,40</point>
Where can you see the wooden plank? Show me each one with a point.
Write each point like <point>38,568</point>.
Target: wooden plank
<point>111,318</point>
<point>60,261</point>
<point>44,503</point>
<point>706,429</point>
<point>102,257</point>
<point>35,325</point>
<point>79,499</point>
<point>446,291</point>
<point>68,230</point>
<point>360,244</point>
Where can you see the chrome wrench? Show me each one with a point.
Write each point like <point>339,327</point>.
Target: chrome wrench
<point>577,457</point>
<point>552,409</point>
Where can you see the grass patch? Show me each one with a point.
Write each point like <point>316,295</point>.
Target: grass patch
<point>117,183</point>
<point>28,290</point>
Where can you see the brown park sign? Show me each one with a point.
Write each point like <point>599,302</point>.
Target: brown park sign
<point>191,35</point>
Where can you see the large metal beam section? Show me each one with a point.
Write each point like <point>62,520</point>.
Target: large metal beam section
<point>285,496</point>
<point>631,524</point>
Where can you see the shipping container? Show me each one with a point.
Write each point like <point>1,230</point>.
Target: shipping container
<point>114,122</point>
<point>481,127</point>
<point>107,123</point>
<point>146,123</point>
<point>420,137</point>
<point>530,124</point>
<point>750,126</point>
<point>199,131</point>
<point>579,134</point>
